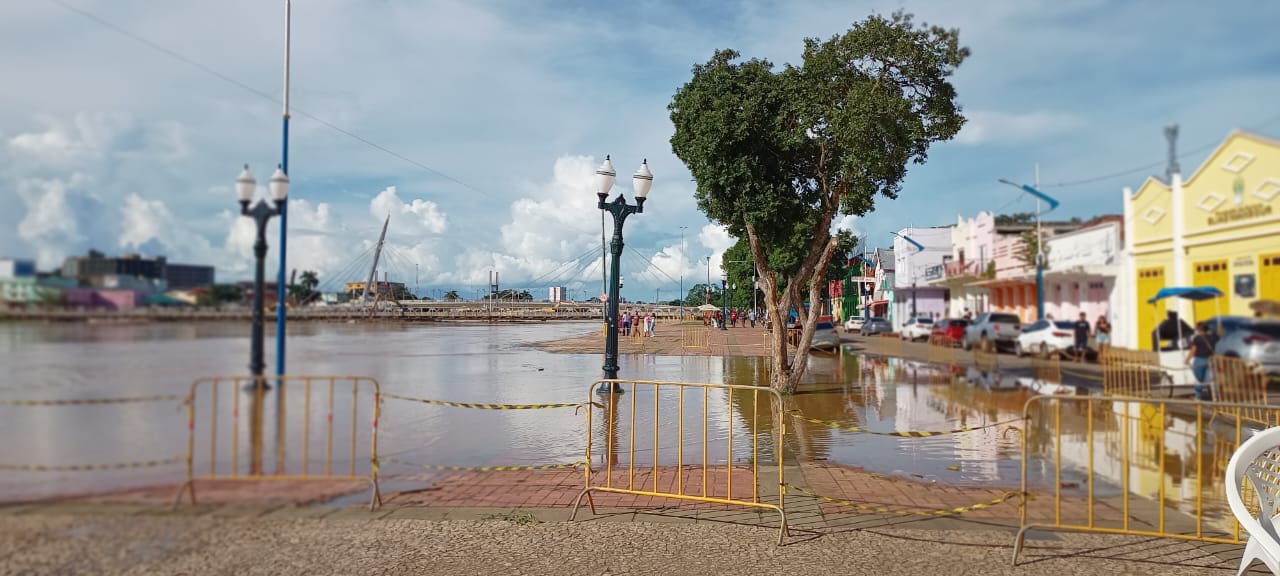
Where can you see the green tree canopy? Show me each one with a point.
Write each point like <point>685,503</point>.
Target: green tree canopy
<point>776,154</point>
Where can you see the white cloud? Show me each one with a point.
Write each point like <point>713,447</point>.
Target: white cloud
<point>51,223</point>
<point>846,222</point>
<point>1013,128</point>
<point>416,217</point>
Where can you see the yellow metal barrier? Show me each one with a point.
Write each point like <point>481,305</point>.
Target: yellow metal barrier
<point>1129,373</point>
<point>1242,382</point>
<point>287,392</point>
<point>694,479</point>
<point>694,337</point>
<point>1141,467</point>
<point>986,360</point>
<point>890,346</point>
<point>942,350</point>
<point>1047,369</point>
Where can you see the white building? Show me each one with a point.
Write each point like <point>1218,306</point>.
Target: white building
<point>559,294</point>
<point>915,251</point>
<point>1081,271</point>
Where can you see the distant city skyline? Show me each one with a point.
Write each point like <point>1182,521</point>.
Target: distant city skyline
<point>504,111</point>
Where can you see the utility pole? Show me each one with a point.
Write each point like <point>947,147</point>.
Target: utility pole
<point>681,294</point>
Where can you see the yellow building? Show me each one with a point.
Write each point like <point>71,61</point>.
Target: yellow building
<point>1220,227</point>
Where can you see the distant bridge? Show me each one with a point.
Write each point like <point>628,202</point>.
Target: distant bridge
<point>407,310</point>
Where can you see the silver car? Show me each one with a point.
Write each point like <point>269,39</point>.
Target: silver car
<point>992,328</point>
<point>1257,341</point>
<point>875,325</point>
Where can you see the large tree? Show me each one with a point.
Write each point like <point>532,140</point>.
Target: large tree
<point>776,154</point>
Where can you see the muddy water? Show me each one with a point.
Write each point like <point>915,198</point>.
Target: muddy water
<point>495,364</point>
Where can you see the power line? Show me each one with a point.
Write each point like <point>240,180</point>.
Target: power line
<point>1151,166</point>
<point>293,109</point>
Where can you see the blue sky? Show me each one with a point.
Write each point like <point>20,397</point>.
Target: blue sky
<point>109,143</point>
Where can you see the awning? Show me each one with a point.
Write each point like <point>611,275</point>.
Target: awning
<point>878,303</point>
<point>1196,293</point>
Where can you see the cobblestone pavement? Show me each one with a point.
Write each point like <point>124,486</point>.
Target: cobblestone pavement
<point>226,541</point>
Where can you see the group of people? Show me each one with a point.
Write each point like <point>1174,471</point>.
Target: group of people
<point>1101,332</point>
<point>643,323</point>
<point>717,319</point>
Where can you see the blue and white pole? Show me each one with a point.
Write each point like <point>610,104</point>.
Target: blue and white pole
<point>1040,197</point>
<point>281,288</point>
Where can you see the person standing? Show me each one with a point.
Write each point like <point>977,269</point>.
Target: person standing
<point>1198,358</point>
<point>733,318</point>
<point>626,323</point>
<point>1082,337</point>
<point>649,322</point>
<point>1102,334</point>
<point>751,317</point>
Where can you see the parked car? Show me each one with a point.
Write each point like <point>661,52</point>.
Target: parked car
<point>853,324</point>
<point>1228,324</point>
<point>825,336</point>
<point>917,328</point>
<point>995,329</point>
<point>952,328</point>
<point>875,325</point>
<point>1258,341</point>
<point>1045,337</point>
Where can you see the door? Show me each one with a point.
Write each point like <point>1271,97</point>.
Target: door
<point>1150,281</point>
<point>1214,274</point>
<point>1269,277</point>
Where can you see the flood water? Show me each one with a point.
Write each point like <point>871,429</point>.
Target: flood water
<point>496,364</point>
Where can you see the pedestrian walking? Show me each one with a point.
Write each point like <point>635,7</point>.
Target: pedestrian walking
<point>751,317</point>
<point>649,323</point>
<point>733,318</point>
<point>1198,358</point>
<point>1082,330</point>
<point>626,323</point>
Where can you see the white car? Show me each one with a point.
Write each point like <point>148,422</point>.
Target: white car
<point>853,324</point>
<point>1045,337</point>
<point>917,328</point>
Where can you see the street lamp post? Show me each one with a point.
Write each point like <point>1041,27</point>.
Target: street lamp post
<point>1040,196</point>
<point>724,296</point>
<point>261,212</point>
<point>681,295</point>
<point>642,181</point>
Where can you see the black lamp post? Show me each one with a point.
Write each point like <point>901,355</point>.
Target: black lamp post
<point>261,212</point>
<point>724,296</point>
<point>642,181</point>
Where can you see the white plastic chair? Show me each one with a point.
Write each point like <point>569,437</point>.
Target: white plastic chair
<point>1257,459</point>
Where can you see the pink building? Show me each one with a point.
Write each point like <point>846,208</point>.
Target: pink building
<point>94,298</point>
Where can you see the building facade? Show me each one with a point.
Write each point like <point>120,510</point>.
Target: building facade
<point>1218,227</point>
<point>1081,271</point>
<point>916,251</point>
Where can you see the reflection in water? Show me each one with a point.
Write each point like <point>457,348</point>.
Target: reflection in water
<point>483,363</point>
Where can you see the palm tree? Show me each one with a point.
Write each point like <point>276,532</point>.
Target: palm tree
<point>309,280</point>
<point>451,296</point>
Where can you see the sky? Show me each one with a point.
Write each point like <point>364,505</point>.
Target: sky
<point>477,126</point>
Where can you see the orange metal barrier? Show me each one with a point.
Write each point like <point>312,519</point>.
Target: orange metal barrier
<point>1141,467</point>
<point>690,479</point>
<point>290,396</point>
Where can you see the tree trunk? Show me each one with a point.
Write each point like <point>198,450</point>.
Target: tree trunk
<point>786,371</point>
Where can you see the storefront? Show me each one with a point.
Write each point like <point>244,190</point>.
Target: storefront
<point>1221,228</point>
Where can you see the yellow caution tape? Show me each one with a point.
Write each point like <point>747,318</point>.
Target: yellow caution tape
<point>886,510</point>
<point>92,401</point>
<point>89,467</point>
<point>485,406</point>
<point>904,434</point>
<point>483,468</point>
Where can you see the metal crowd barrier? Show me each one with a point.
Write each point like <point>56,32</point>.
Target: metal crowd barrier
<point>1047,369</point>
<point>696,483</point>
<point>1239,381</point>
<point>285,392</point>
<point>694,337</point>
<point>1141,467</point>
<point>986,360</point>
<point>941,350</point>
<point>1129,373</point>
